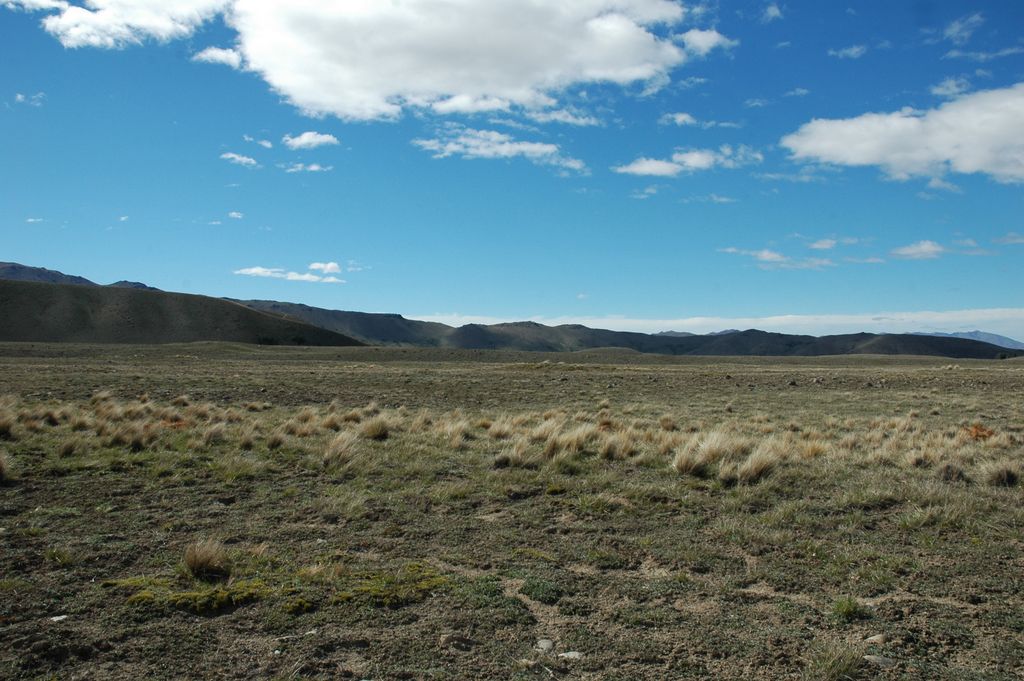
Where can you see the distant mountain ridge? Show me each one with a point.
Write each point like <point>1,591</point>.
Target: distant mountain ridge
<point>13,271</point>
<point>983,336</point>
<point>44,305</point>
<point>392,329</point>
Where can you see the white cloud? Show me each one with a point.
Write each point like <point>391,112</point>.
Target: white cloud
<point>710,198</point>
<point>797,92</point>
<point>852,52</point>
<point>562,116</point>
<point>118,23</point>
<point>982,132</point>
<point>457,140</point>
<point>33,221</point>
<point>645,193</point>
<point>34,5</point>
<point>983,56</point>
<point>824,244</point>
<point>768,259</point>
<point>1010,238</point>
<point>951,87</point>
<point>325,267</point>
<point>235,215</point>
<point>961,30</point>
<point>755,103</point>
<point>701,42</point>
<point>690,82</point>
<point>356,266</point>
<point>239,159</point>
<point>920,250</point>
<point>939,183</point>
<point>771,13</point>
<point>123,218</point>
<point>266,144</point>
<point>309,140</point>
<point>281,273</point>
<point>650,167</point>
<point>690,160</point>
<point>306,168</point>
<point>372,60</point>
<point>683,118</point>
<point>1007,321</point>
<point>31,100</point>
<point>219,55</point>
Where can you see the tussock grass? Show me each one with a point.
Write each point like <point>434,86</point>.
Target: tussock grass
<point>376,428</point>
<point>1001,473</point>
<point>6,426</point>
<point>6,474</point>
<point>207,560</point>
<point>340,450</point>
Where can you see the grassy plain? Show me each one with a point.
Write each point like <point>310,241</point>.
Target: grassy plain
<point>220,511</point>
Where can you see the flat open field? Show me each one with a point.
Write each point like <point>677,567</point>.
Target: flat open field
<point>218,511</point>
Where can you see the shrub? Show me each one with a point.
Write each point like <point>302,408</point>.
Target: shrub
<point>207,560</point>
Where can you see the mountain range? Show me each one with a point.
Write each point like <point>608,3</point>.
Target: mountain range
<point>49,306</point>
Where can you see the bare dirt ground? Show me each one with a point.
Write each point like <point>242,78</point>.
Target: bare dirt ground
<point>418,514</point>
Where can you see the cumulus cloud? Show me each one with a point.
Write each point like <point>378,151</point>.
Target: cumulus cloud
<point>920,250</point>
<point>824,244</point>
<point>118,23</point>
<point>33,221</point>
<point>982,132</point>
<point>851,52</point>
<point>325,267</point>
<point>309,140</point>
<point>235,215</point>
<point>960,31</point>
<point>281,273</point>
<point>692,160</point>
<point>368,61</point>
<point>797,92</point>
<point>239,159</point>
<point>457,140</point>
<point>219,55</point>
<point>700,42</point>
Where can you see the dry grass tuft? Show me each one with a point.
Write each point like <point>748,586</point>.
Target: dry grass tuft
<point>5,469</point>
<point>207,560</point>
<point>952,473</point>
<point>618,446</point>
<point>181,401</point>
<point>69,448</point>
<point>352,416</point>
<point>501,429</point>
<point>340,450</point>
<point>759,464</point>
<point>376,428</point>
<point>277,439</point>
<point>215,434</point>
<point>515,456</point>
<point>1002,474</point>
<point>667,423</point>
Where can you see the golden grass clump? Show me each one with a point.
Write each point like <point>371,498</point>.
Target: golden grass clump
<point>352,416</point>
<point>667,423</point>
<point>215,434</point>
<point>339,450</point>
<point>247,438</point>
<point>277,439</point>
<point>5,468</point>
<point>71,447</point>
<point>501,429</point>
<point>181,401</point>
<point>618,446</point>
<point>761,462</point>
<point>515,456</point>
<point>376,428</point>
<point>207,560</point>
<point>132,436</point>
<point>578,439</point>
<point>306,415</point>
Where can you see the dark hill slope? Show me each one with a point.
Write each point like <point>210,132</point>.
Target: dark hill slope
<point>373,328</point>
<point>15,272</point>
<point>41,312</point>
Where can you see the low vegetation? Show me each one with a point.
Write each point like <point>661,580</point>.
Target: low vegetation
<point>645,520</point>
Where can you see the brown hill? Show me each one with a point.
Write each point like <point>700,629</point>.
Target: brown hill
<point>44,312</point>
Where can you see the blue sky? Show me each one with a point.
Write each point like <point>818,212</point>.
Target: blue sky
<point>632,164</point>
